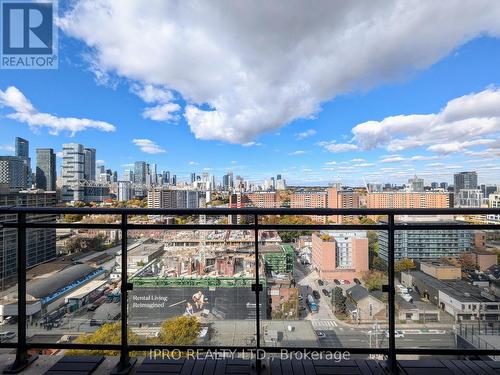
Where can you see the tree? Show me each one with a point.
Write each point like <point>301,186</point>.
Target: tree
<point>374,280</point>
<point>72,218</point>
<point>378,264</point>
<point>289,235</point>
<point>109,333</point>
<point>78,244</point>
<point>467,261</point>
<point>373,242</point>
<point>183,330</point>
<point>405,264</point>
<point>338,301</point>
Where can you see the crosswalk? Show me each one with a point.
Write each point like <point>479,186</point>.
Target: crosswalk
<point>324,324</point>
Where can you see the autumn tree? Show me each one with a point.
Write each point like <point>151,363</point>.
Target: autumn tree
<point>109,333</point>
<point>378,264</point>
<point>182,330</point>
<point>405,264</point>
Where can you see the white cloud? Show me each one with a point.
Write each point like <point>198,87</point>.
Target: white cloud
<point>128,165</point>
<point>331,162</point>
<point>399,158</point>
<point>296,153</point>
<point>338,147</point>
<point>7,148</point>
<point>162,112</point>
<point>100,161</point>
<point>193,163</point>
<point>464,122</point>
<point>363,165</point>
<point>305,134</point>
<point>246,69</point>
<point>250,144</point>
<point>59,154</point>
<point>148,146</point>
<point>25,112</point>
<point>357,160</point>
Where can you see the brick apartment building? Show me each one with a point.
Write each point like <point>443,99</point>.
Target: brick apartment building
<point>340,255</point>
<point>333,197</point>
<point>402,199</point>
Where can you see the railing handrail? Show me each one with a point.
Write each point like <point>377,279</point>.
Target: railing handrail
<point>252,211</point>
<point>389,225</point>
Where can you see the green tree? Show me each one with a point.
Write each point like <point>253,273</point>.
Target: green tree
<point>182,330</point>
<point>373,280</point>
<point>339,301</point>
<point>109,333</point>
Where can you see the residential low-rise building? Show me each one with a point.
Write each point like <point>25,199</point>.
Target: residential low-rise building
<point>364,306</point>
<point>463,301</point>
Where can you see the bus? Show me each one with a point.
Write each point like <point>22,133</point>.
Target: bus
<point>312,304</point>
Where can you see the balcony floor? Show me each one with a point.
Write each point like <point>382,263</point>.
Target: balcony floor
<point>56,365</point>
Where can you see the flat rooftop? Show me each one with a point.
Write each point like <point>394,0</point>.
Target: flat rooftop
<point>458,289</point>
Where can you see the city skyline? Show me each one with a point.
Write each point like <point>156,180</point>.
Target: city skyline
<point>432,118</point>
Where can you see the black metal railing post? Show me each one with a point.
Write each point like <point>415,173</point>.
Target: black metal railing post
<point>22,360</point>
<point>257,292</point>
<point>125,363</point>
<point>391,360</point>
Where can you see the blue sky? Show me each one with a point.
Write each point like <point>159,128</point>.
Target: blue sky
<point>314,144</point>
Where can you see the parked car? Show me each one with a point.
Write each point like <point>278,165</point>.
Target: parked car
<point>347,282</point>
<point>316,294</point>
<point>326,292</point>
<point>301,297</point>
<point>336,281</point>
<point>357,281</point>
<point>7,336</point>
<point>320,282</point>
<point>92,307</point>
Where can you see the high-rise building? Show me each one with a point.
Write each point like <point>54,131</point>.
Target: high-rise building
<point>434,185</point>
<point>166,177</point>
<point>443,185</point>
<point>46,169</point>
<point>12,173</point>
<point>140,171</point>
<point>124,190</point>
<point>487,190</point>
<point>174,180</point>
<point>494,202</point>
<point>22,148</point>
<point>40,242</point>
<point>464,180</point>
<point>416,184</point>
<point>193,177</point>
<point>90,164</point>
<point>128,175</point>
<point>23,152</point>
<point>73,172</point>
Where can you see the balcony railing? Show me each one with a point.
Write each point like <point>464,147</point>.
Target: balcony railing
<point>390,225</point>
